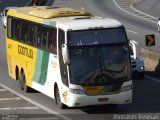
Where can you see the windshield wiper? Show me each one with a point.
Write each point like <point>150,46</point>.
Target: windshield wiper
<point>97,76</point>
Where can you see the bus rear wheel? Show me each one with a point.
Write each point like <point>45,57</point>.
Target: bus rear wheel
<point>58,99</point>
<point>22,82</point>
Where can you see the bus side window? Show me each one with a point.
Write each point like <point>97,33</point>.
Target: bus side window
<point>52,45</point>
<point>9,23</point>
<point>24,31</point>
<point>30,34</point>
<point>44,38</point>
<point>38,39</point>
<point>15,29</point>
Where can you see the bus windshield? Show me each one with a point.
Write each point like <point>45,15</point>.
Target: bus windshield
<point>101,61</point>
<point>97,37</point>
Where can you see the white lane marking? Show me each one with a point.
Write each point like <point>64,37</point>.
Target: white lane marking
<point>132,13</point>
<point>151,78</point>
<point>132,31</point>
<point>132,6</point>
<point>35,103</point>
<point>7,99</point>
<point>43,118</point>
<point>20,108</point>
<point>3,90</point>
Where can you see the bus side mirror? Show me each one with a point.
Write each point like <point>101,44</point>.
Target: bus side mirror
<point>65,54</point>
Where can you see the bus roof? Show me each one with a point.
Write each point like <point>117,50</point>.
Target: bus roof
<point>67,18</point>
<point>48,12</point>
<point>92,22</point>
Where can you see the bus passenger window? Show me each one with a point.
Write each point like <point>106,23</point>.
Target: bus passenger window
<point>9,23</point>
<point>30,34</point>
<point>15,29</point>
<point>53,41</point>
<point>38,41</point>
<point>24,31</point>
<point>44,38</point>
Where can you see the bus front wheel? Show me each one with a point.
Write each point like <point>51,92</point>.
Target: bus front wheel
<point>58,100</point>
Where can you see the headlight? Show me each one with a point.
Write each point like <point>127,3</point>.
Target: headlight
<point>142,68</point>
<point>126,88</point>
<point>77,91</point>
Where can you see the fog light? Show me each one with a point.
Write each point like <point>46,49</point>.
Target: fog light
<point>77,91</point>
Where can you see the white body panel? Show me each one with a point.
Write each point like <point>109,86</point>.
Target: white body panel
<point>52,77</point>
<point>82,24</point>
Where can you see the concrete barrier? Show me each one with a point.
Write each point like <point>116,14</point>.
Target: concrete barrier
<point>151,60</point>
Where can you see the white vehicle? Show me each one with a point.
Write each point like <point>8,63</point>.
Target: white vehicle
<point>4,14</point>
<point>137,62</point>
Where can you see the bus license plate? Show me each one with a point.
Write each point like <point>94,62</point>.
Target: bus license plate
<point>102,99</point>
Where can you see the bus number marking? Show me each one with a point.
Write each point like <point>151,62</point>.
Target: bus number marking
<point>25,51</point>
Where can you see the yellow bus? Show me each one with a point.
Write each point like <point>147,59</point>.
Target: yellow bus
<point>69,55</point>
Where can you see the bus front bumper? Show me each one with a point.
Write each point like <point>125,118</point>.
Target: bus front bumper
<point>84,100</point>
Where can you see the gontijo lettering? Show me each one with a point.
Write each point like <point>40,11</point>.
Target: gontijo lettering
<point>25,51</point>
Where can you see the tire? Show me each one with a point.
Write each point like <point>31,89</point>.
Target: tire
<point>22,83</point>
<point>58,100</point>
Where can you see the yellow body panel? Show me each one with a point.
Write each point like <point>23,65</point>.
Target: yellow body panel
<point>24,16</point>
<point>23,56</point>
<point>57,12</point>
<point>39,13</point>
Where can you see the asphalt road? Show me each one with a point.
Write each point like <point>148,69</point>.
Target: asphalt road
<point>150,7</point>
<point>146,95</point>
